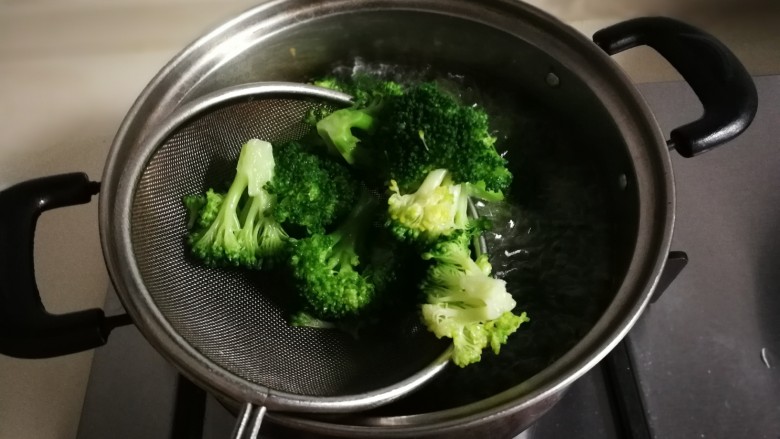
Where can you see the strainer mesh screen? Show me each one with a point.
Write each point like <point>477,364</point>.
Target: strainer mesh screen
<point>234,318</point>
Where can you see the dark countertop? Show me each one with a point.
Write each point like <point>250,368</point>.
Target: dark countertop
<point>698,350</point>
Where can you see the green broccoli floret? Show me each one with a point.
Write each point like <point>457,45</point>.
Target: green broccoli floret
<point>369,94</point>
<point>438,207</point>
<point>312,191</point>
<point>383,265</point>
<point>194,204</point>
<point>367,91</point>
<point>327,268</point>
<point>464,302</point>
<point>336,130</point>
<point>315,114</point>
<point>425,129</point>
<point>330,82</point>
<point>234,229</point>
<point>355,327</point>
<point>202,209</point>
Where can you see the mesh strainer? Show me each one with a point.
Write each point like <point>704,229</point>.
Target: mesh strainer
<point>228,330</point>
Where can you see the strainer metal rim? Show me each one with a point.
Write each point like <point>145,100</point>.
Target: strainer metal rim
<point>152,323</point>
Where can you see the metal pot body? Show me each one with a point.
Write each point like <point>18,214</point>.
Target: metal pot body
<point>491,41</point>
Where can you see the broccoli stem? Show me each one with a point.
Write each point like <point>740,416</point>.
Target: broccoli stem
<point>336,130</point>
<point>350,234</point>
<point>432,181</point>
<point>252,220</point>
<point>478,191</point>
<point>248,172</point>
<point>231,237</point>
<point>304,319</point>
<point>222,232</point>
<point>272,236</point>
<point>194,204</point>
<point>256,164</point>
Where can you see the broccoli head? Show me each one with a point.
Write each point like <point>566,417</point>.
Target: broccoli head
<point>367,91</point>
<point>202,209</point>
<point>436,208</point>
<point>327,268</point>
<point>463,302</point>
<point>312,191</point>
<point>336,130</point>
<point>330,82</point>
<point>234,229</point>
<point>425,129</point>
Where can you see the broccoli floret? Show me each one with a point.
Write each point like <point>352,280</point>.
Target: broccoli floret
<point>194,204</point>
<point>327,268</point>
<point>312,191</point>
<point>336,130</point>
<point>367,91</point>
<point>383,266</point>
<point>464,302</point>
<point>438,207</point>
<point>355,327</point>
<point>234,229</point>
<point>330,82</point>
<point>425,129</point>
<point>202,209</point>
<point>315,114</point>
<point>369,94</point>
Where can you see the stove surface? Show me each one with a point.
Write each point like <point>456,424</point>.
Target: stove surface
<point>708,352</point>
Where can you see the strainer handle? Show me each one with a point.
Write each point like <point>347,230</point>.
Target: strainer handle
<point>249,421</point>
<point>27,330</point>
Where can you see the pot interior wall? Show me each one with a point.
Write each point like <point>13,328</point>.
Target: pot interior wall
<point>565,236</point>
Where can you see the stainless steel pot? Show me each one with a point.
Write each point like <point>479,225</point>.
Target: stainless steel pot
<point>492,42</point>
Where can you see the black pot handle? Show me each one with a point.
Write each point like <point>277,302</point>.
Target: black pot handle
<point>721,82</point>
<point>27,330</point>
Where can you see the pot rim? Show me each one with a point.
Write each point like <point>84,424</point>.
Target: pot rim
<point>632,115</point>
